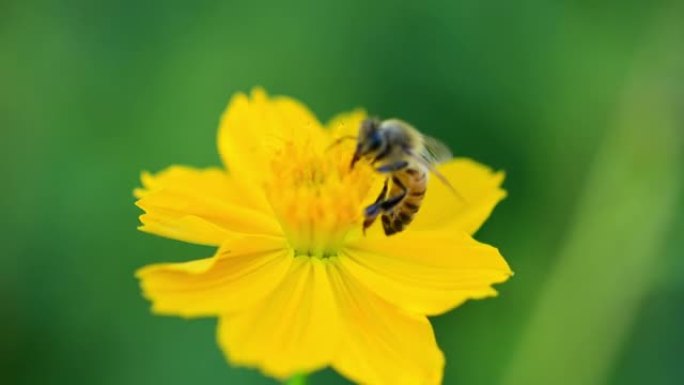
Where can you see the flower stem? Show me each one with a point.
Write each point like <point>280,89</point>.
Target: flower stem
<point>298,379</point>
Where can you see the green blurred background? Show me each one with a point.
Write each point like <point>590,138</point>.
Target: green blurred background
<point>579,101</point>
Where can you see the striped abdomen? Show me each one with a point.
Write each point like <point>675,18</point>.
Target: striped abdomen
<point>412,182</point>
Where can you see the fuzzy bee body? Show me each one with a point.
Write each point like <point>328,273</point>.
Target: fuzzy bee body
<point>412,182</point>
<point>401,152</point>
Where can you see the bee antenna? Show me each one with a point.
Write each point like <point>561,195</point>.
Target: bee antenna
<point>340,140</point>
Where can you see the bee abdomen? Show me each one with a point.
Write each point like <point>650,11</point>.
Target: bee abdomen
<point>411,207</point>
<point>400,217</point>
<point>414,182</point>
<point>391,225</point>
<point>396,222</point>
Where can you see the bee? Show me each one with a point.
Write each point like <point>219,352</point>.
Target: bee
<point>399,151</point>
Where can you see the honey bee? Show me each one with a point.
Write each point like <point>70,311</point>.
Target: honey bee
<point>406,156</point>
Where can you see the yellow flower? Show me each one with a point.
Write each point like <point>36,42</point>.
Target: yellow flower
<point>295,284</point>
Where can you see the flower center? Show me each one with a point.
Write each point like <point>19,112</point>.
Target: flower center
<point>316,197</point>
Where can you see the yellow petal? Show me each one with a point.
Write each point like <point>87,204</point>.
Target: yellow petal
<point>254,127</point>
<point>239,275</point>
<point>293,330</point>
<point>382,344</point>
<point>346,124</point>
<point>201,206</point>
<point>479,188</point>
<point>425,272</point>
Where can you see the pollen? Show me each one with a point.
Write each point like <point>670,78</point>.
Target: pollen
<point>316,197</point>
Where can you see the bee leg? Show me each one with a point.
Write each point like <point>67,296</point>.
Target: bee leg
<point>383,192</point>
<point>368,222</point>
<point>392,167</point>
<point>390,203</point>
<point>383,206</point>
<point>388,225</point>
<point>372,211</point>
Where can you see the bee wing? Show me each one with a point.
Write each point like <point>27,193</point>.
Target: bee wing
<point>434,151</point>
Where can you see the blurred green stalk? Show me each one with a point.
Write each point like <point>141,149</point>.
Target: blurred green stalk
<point>610,256</point>
<point>299,379</point>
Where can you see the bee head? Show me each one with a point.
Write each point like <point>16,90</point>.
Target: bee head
<point>370,140</point>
